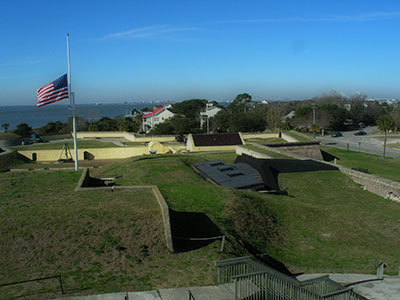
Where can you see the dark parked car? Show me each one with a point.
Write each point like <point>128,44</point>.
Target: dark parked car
<point>360,132</point>
<point>336,134</point>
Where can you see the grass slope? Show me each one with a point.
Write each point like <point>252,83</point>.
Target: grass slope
<point>98,241</point>
<point>326,224</point>
<point>105,242</point>
<point>387,168</point>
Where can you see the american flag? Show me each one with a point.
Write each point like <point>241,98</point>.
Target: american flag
<point>53,91</point>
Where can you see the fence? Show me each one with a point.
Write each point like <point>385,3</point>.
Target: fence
<point>255,281</point>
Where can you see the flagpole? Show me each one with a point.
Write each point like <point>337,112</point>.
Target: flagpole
<point>72,101</point>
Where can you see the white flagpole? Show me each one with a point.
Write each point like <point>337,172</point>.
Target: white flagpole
<point>72,101</point>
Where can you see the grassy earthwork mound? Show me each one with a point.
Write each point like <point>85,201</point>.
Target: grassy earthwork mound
<point>103,242</point>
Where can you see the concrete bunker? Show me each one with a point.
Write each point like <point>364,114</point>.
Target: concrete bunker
<point>255,173</point>
<point>88,156</point>
<point>192,230</point>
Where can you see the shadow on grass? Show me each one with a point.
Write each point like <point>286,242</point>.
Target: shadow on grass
<point>327,156</point>
<point>188,228</point>
<point>266,259</point>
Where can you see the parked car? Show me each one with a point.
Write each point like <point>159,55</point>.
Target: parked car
<point>361,125</point>
<point>336,134</point>
<point>360,132</point>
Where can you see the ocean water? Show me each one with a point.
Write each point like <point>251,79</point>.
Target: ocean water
<point>38,117</point>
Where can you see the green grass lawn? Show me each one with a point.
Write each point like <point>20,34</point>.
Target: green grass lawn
<point>8,135</point>
<point>59,145</point>
<point>299,137</point>
<point>267,152</point>
<point>52,137</point>
<point>107,242</point>
<point>316,228</point>
<point>389,137</point>
<point>267,141</point>
<point>133,143</point>
<point>387,168</point>
<point>98,241</point>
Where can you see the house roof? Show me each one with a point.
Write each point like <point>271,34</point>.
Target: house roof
<point>154,112</point>
<point>217,139</point>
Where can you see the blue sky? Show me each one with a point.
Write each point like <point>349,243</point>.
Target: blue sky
<point>176,50</point>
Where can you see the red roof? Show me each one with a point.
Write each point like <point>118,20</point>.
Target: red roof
<point>154,112</point>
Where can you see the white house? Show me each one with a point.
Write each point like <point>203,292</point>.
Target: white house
<point>209,112</point>
<point>151,119</point>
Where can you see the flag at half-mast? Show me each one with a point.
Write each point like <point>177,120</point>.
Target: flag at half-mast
<point>53,91</point>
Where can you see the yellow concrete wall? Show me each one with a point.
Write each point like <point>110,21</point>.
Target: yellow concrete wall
<point>126,135</point>
<point>105,134</point>
<point>98,153</point>
<point>147,139</point>
<point>259,135</point>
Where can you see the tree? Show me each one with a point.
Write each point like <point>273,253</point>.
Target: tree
<point>220,122</point>
<point>5,126</point>
<point>189,108</point>
<point>239,103</point>
<point>385,123</point>
<point>274,118</point>
<point>395,114</point>
<point>23,130</point>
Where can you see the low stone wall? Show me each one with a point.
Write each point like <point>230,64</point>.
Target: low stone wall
<point>83,185</point>
<point>376,185</point>
<point>379,186</point>
<point>242,150</point>
<point>306,149</point>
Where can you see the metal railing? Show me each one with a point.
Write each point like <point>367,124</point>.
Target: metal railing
<point>235,266</point>
<point>321,285</point>
<point>191,297</point>
<point>255,281</point>
<point>37,279</point>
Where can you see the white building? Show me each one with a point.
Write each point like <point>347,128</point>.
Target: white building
<point>209,112</point>
<point>151,119</point>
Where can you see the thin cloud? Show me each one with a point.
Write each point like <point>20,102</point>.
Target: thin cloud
<point>148,32</point>
<point>20,63</point>
<point>364,17</point>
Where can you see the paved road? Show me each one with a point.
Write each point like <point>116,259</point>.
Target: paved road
<point>366,143</point>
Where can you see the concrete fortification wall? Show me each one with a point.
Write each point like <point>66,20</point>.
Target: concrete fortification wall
<point>122,134</point>
<point>83,185</point>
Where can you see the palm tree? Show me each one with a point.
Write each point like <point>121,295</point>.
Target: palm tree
<point>5,126</point>
<point>385,123</point>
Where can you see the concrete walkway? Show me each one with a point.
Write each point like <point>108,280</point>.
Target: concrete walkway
<point>147,295</point>
<point>220,292</point>
<point>366,285</point>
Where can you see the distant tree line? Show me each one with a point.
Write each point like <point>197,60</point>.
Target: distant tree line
<point>328,112</point>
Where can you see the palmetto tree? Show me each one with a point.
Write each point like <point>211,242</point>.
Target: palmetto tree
<point>5,126</point>
<point>385,124</point>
